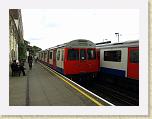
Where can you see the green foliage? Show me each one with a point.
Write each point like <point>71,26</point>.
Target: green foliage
<point>21,51</point>
<point>23,47</point>
<point>33,50</point>
<point>36,49</point>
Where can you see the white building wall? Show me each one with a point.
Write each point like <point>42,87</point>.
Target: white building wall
<point>16,51</point>
<point>16,22</point>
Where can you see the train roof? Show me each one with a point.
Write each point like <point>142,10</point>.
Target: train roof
<point>78,43</point>
<point>133,43</point>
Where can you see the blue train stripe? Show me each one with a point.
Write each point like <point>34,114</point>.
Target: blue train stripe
<point>116,72</point>
<point>60,70</point>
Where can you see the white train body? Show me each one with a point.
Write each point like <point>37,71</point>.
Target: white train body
<point>115,59</point>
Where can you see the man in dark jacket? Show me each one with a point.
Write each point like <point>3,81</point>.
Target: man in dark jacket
<point>30,60</point>
<point>15,68</point>
<point>22,68</point>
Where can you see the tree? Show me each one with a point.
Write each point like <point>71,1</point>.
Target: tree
<point>36,49</point>
<point>33,49</point>
<point>21,51</point>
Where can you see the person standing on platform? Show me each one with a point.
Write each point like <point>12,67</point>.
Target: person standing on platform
<point>14,67</point>
<point>36,58</point>
<point>22,68</point>
<point>30,61</point>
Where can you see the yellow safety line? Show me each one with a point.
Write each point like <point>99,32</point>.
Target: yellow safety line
<point>91,98</point>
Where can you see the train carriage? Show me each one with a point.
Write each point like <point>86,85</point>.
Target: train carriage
<point>120,62</point>
<point>73,59</point>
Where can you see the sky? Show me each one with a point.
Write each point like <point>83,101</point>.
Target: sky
<point>47,28</point>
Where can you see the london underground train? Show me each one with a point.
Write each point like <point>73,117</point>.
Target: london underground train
<point>73,59</point>
<point>120,61</point>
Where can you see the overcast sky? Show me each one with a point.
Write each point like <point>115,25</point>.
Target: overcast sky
<point>47,28</point>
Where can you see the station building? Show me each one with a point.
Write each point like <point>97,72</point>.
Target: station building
<point>15,33</point>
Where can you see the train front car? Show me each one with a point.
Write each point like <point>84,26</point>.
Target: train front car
<point>81,60</point>
<point>119,64</point>
<point>77,59</point>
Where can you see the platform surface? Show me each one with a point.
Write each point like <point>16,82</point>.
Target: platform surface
<point>42,88</point>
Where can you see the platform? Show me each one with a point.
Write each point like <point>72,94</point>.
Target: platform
<point>42,87</point>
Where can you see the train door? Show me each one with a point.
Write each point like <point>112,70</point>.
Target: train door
<point>71,61</point>
<point>59,60</point>
<point>54,58</point>
<point>44,56</point>
<point>133,63</point>
<point>98,57</point>
<point>62,58</point>
<point>51,58</point>
<point>92,60</point>
<point>83,61</point>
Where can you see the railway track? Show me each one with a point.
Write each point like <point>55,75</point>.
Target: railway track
<point>116,97</point>
<point>113,94</point>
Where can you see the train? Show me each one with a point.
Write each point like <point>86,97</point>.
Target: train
<point>112,62</point>
<point>75,59</point>
<point>119,63</point>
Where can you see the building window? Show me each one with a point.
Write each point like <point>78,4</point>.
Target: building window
<point>134,56</point>
<point>91,54</point>
<point>82,54</point>
<point>114,56</point>
<point>73,54</point>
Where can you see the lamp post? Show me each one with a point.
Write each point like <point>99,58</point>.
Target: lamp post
<point>117,34</point>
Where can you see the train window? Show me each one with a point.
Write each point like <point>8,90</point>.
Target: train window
<point>114,56</point>
<point>58,55</point>
<point>91,54</point>
<point>44,55</point>
<point>50,55</point>
<point>134,56</point>
<point>62,55</point>
<point>41,55</point>
<point>73,54</point>
<point>82,54</point>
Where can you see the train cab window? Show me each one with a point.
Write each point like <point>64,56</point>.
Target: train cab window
<point>73,54</point>
<point>82,54</point>
<point>114,56</point>
<point>91,54</point>
<point>134,56</point>
<point>50,55</point>
<point>58,55</point>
